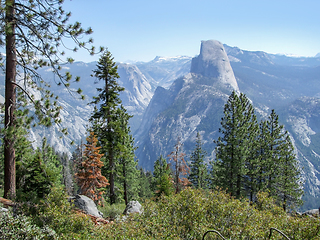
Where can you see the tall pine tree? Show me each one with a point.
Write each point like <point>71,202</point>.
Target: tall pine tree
<point>34,33</point>
<point>129,173</point>
<point>275,143</point>
<point>289,184</point>
<point>110,123</point>
<point>234,146</point>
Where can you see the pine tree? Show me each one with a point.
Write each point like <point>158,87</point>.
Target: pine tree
<point>198,169</point>
<point>276,139</point>
<point>289,184</point>
<point>263,155</point>
<point>128,166</point>
<point>180,167</point>
<point>110,123</point>
<point>34,32</point>
<point>76,160</point>
<point>144,183</point>
<point>233,148</point>
<point>90,179</point>
<point>37,171</point>
<point>50,159</point>
<point>162,180</point>
<point>160,168</point>
<point>165,186</point>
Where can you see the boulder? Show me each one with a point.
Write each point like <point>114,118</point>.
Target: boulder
<point>312,212</point>
<point>4,209</point>
<point>86,204</point>
<point>133,207</point>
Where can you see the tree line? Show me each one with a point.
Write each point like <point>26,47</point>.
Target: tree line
<point>250,157</point>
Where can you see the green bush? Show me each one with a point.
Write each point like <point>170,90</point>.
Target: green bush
<point>21,227</point>
<point>112,211</point>
<point>189,214</point>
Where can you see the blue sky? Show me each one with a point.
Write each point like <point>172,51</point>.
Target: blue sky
<point>143,29</point>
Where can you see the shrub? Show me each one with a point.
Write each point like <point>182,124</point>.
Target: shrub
<point>112,211</point>
<point>21,227</point>
<point>189,214</point>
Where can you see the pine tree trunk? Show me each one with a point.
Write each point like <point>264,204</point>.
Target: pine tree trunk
<point>110,153</point>
<point>10,103</point>
<point>125,194</point>
<point>238,191</point>
<point>111,178</point>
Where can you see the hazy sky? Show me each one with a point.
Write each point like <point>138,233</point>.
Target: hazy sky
<point>142,29</point>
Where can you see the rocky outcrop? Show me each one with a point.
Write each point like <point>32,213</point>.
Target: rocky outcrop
<point>213,62</point>
<point>194,103</point>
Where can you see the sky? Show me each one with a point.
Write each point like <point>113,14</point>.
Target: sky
<point>140,30</point>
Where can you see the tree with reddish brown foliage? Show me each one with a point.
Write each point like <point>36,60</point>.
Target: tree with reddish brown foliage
<point>89,177</point>
<point>180,166</point>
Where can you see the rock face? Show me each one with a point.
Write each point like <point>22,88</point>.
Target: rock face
<point>138,92</point>
<point>213,62</point>
<point>87,205</point>
<point>133,207</point>
<point>194,103</point>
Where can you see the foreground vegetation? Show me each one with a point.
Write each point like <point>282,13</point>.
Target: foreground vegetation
<point>187,215</point>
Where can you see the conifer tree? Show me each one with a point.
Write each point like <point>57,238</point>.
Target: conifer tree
<point>276,141</point>
<point>144,183</point>
<point>263,155</point>
<point>165,186</point>
<point>289,184</point>
<point>50,159</point>
<point>90,179</point>
<point>160,168</point>
<point>127,164</point>
<point>34,33</point>
<point>37,170</point>
<point>76,160</point>
<point>198,169</point>
<point>162,180</point>
<point>110,124</point>
<point>233,147</point>
<point>180,167</point>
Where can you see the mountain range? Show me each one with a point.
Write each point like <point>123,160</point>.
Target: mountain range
<point>176,97</point>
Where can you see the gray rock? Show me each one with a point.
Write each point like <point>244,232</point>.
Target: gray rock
<point>133,207</point>
<point>4,210</point>
<point>312,212</point>
<point>86,204</point>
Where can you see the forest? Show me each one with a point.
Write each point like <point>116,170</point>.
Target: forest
<point>253,184</point>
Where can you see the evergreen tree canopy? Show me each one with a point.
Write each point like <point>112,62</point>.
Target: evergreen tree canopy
<point>238,129</point>
<point>198,169</point>
<point>252,158</point>
<point>34,34</point>
<point>289,184</point>
<point>110,123</point>
<point>162,180</point>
